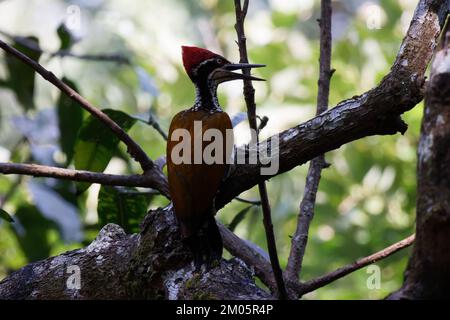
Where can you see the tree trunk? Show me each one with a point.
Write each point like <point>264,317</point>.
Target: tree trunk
<point>428,272</point>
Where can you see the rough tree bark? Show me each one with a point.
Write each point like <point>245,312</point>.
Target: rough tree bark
<point>154,264</point>
<point>428,272</point>
<point>150,265</point>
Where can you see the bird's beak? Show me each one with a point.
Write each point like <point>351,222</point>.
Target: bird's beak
<point>225,73</point>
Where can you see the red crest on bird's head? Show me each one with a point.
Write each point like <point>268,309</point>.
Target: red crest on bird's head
<point>193,56</point>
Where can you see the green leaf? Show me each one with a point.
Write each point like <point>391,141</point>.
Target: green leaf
<point>5,216</point>
<point>96,143</point>
<point>32,234</point>
<point>123,206</point>
<point>65,37</point>
<point>70,119</point>
<point>239,217</point>
<point>21,76</point>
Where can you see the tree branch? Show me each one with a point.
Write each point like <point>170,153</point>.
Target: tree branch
<point>153,264</point>
<point>132,147</point>
<point>249,94</point>
<point>307,205</point>
<point>376,112</point>
<point>77,175</point>
<point>321,281</point>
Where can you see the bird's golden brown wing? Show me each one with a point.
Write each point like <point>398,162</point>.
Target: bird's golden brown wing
<point>193,187</point>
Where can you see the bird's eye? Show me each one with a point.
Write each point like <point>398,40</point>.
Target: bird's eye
<point>219,60</point>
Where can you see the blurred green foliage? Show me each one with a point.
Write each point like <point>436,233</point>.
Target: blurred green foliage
<point>123,206</point>
<point>366,199</point>
<point>96,143</point>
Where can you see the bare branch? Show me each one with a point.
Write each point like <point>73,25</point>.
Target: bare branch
<point>132,147</point>
<point>151,265</point>
<point>245,8</point>
<point>321,281</point>
<point>77,175</point>
<point>376,112</point>
<point>249,94</point>
<point>108,57</point>
<point>307,205</point>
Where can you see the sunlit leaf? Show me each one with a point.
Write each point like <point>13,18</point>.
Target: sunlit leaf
<point>96,143</point>
<point>5,216</point>
<point>123,206</point>
<point>70,119</point>
<point>21,76</point>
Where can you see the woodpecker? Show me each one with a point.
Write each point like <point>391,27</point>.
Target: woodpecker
<point>193,185</point>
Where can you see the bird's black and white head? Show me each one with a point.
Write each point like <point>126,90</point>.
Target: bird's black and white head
<point>207,70</point>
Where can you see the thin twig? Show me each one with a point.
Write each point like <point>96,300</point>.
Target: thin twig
<point>107,57</point>
<point>249,94</point>
<point>321,281</point>
<point>133,148</point>
<point>76,175</point>
<point>306,214</point>
<point>245,251</point>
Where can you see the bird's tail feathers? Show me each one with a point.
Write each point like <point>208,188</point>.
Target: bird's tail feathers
<point>206,244</point>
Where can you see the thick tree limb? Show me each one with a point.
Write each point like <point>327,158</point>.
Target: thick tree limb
<point>150,265</point>
<point>133,148</point>
<point>249,95</point>
<point>77,175</point>
<point>428,272</point>
<point>154,264</point>
<point>375,112</point>
<point>306,214</point>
